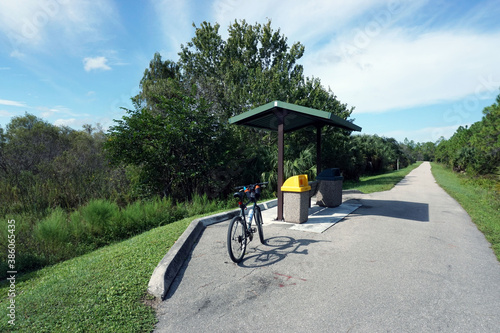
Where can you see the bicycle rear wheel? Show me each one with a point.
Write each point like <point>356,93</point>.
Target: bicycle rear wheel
<point>259,222</point>
<point>236,239</point>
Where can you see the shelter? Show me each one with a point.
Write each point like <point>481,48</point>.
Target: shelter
<point>286,117</point>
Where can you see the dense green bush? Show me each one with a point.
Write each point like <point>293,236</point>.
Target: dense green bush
<point>55,236</point>
<point>61,235</point>
<point>475,149</point>
<point>45,166</point>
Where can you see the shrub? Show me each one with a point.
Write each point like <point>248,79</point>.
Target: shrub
<point>130,220</point>
<point>58,235</point>
<point>100,219</point>
<point>54,235</point>
<point>200,204</point>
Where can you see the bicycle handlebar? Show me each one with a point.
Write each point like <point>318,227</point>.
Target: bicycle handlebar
<point>250,186</point>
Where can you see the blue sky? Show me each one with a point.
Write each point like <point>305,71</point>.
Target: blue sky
<point>412,69</point>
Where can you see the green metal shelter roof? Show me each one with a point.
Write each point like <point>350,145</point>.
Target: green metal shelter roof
<point>297,117</point>
<point>285,117</point>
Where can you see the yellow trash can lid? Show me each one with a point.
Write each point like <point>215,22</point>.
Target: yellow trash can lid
<point>297,183</point>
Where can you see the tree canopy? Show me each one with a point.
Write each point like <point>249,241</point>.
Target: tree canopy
<point>178,132</point>
<point>475,149</point>
<point>43,166</point>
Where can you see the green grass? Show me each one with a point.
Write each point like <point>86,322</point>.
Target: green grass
<point>61,235</point>
<point>478,197</point>
<point>378,183</point>
<point>103,291</point>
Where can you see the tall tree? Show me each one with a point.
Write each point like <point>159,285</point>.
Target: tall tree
<point>254,66</point>
<point>175,143</point>
<point>43,165</point>
<point>476,148</point>
<point>155,82</point>
<point>30,141</point>
<point>487,140</point>
<point>213,80</point>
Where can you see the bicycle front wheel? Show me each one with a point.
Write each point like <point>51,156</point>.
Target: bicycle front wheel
<point>236,239</point>
<point>259,222</point>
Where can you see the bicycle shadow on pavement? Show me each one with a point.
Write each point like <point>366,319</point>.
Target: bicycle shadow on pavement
<point>275,250</point>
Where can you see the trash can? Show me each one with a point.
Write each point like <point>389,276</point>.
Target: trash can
<point>330,188</point>
<point>296,199</point>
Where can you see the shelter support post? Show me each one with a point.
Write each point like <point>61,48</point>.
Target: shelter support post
<point>281,114</point>
<point>318,149</point>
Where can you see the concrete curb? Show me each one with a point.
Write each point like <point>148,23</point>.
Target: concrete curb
<point>166,271</point>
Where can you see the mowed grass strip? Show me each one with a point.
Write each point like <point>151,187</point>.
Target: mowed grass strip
<point>378,183</point>
<point>478,197</point>
<point>103,291</point>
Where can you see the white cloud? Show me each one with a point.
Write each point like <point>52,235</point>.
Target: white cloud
<point>12,103</point>
<point>304,21</point>
<point>17,54</point>
<point>76,123</point>
<point>175,24</point>
<point>4,113</point>
<point>95,63</point>
<point>19,21</point>
<point>426,134</point>
<point>65,122</point>
<point>58,109</point>
<point>32,24</point>
<point>398,70</point>
<point>380,55</point>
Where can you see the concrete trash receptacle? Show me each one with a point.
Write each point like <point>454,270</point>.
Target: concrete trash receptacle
<point>296,199</point>
<point>330,188</point>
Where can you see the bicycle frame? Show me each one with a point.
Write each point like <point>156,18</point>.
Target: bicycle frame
<point>240,230</point>
<point>243,206</point>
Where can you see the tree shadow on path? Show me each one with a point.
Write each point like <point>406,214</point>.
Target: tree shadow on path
<point>405,210</point>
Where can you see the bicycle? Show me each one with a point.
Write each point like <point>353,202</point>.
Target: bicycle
<point>240,232</point>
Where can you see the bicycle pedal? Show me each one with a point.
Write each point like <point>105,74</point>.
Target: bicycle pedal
<point>254,230</point>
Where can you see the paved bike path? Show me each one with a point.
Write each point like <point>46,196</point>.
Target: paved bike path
<point>408,260</point>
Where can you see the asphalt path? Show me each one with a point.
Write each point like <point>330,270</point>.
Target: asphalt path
<point>408,260</point>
